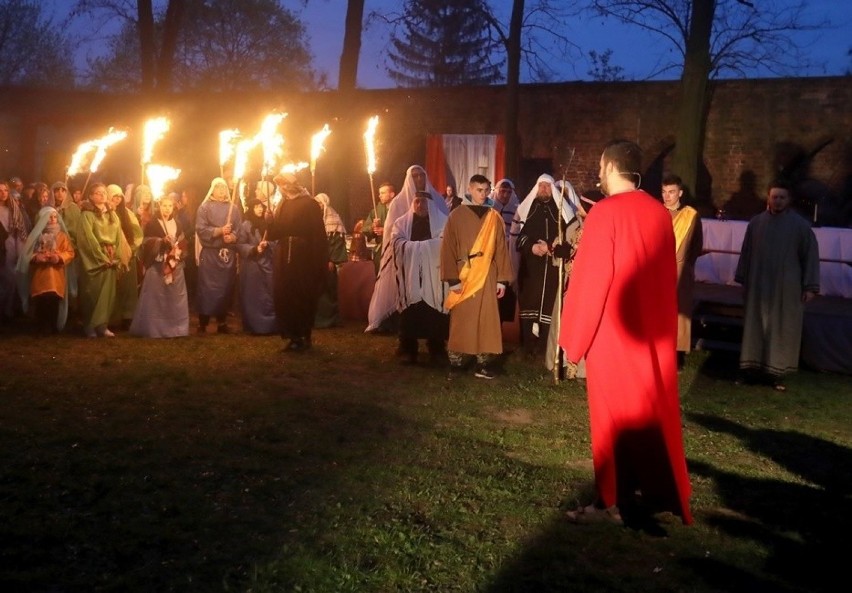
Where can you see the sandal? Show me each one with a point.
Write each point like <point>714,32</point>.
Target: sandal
<point>593,514</point>
<point>779,387</point>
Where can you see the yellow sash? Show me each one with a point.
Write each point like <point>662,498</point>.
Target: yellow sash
<point>475,269</point>
<point>682,222</point>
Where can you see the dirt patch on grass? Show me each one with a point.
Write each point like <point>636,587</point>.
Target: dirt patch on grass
<point>520,416</point>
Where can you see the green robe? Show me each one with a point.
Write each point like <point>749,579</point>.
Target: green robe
<point>99,271</point>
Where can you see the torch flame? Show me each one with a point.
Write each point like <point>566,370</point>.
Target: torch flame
<point>293,168</point>
<point>270,140</point>
<point>244,147</point>
<point>317,145</point>
<point>154,130</point>
<point>77,160</point>
<point>103,143</point>
<point>369,138</point>
<point>158,177</point>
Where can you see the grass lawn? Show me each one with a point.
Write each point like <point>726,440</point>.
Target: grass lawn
<point>219,463</point>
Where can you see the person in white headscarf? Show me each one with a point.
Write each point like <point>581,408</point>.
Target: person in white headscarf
<point>538,228</point>
<point>216,225</point>
<point>42,270</point>
<point>416,244</point>
<point>328,314</point>
<point>386,293</point>
<point>265,192</point>
<point>506,202</point>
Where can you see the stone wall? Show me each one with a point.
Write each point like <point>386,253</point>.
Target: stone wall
<point>756,128</point>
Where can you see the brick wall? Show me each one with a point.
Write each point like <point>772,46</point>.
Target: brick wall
<point>755,129</point>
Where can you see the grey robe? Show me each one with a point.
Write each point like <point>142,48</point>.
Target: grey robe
<point>779,260</point>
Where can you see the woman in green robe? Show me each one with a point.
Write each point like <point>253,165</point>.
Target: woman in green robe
<point>104,254</point>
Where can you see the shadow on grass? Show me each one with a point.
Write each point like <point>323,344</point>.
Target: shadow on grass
<point>176,494</point>
<point>799,523</point>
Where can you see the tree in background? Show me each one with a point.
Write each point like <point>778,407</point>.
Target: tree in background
<point>442,43</point>
<point>348,75</point>
<point>33,50</point>
<point>711,38</point>
<point>522,39</point>
<point>601,70</point>
<point>221,45</point>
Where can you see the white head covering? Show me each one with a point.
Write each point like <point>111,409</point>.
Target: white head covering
<point>385,292</point>
<point>333,222</point>
<point>24,260</point>
<point>508,211</point>
<point>570,204</point>
<point>216,181</point>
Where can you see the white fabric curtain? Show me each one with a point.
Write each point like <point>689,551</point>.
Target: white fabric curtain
<point>467,155</point>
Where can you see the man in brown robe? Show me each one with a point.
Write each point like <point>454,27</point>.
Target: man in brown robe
<point>475,263</point>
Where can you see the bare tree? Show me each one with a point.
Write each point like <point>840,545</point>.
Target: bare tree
<point>522,41</point>
<point>156,56</point>
<point>712,38</point>
<point>33,50</point>
<point>601,69</point>
<point>224,45</point>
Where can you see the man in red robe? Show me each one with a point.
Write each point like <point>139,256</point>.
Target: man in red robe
<point>621,314</point>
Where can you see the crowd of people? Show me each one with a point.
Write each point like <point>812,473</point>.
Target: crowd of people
<point>607,283</point>
<point>105,259</point>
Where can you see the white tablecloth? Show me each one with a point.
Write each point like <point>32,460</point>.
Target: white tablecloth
<point>724,238</point>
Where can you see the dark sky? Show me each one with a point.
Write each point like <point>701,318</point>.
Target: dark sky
<point>636,52</point>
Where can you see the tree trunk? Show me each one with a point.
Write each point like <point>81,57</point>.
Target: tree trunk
<point>513,81</point>
<point>147,47</point>
<point>348,76</point>
<point>694,102</point>
<point>171,28</point>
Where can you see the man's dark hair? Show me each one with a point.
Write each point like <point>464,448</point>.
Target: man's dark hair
<point>626,156</point>
<point>479,179</point>
<point>387,184</point>
<point>672,179</point>
<point>780,183</point>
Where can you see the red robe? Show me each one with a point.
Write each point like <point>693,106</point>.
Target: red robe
<point>621,314</point>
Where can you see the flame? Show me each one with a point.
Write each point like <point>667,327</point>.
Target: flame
<point>154,130</point>
<point>270,140</point>
<point>369,144</point>
<point>77,160</point>
<point>103,143</point>
<point>226,144</point>
<point>293,168</point>
<point>158,177</point>
<point>244,147</point>
<point>317,145</point>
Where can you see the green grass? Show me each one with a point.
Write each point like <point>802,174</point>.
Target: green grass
<point>222,464</point>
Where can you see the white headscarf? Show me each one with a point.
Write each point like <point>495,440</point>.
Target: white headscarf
<point>570,203</point>
<point>23,267</point>
<point>386,293</point>
<point>333,222</point>
<point>216,181</point>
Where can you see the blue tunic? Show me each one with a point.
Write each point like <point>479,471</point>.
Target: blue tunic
<point>217,262</point>
<point>257,306</point>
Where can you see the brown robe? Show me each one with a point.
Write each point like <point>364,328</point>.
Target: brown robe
<point>475,321</point>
